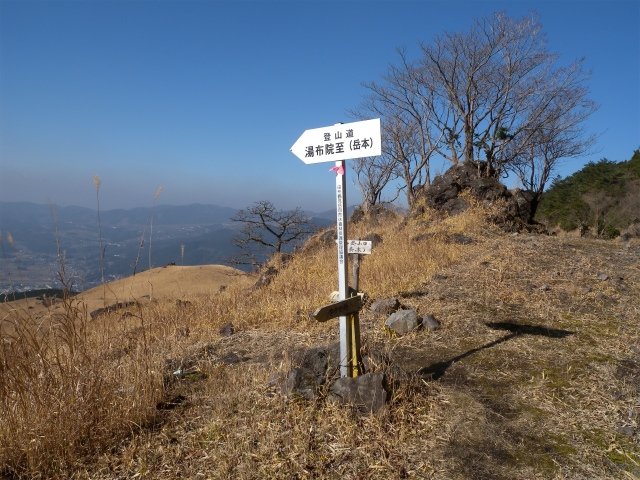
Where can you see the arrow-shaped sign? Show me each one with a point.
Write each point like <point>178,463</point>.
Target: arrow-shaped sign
<point>338,309</point>
<point>341,141</point>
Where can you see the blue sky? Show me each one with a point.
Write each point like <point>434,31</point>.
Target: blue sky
<point>206,97</point>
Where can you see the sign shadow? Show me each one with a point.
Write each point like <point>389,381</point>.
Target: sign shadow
<point>437,370</point>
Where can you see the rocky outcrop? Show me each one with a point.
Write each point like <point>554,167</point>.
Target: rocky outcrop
<point>444,195</point>
<point>371,215</point>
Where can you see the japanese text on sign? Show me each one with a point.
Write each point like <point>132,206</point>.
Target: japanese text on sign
<point>340,225</point>
<point>334,143</point>
<point>339,142</point>
<point>361,247</point>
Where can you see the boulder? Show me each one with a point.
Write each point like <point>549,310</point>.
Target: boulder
<point>404,321</point>
<point>442,189</point>
<point>374,238</point>
<point>443,195</point>
<point>455,206</point>
<point>368,392</point>
<point>461,239</point>
<point>265,278</point>
<point>329,237</point>
<point>386,306</point>
<point>429,322</point>
<point>227,330</point>
<point>301,383</point>
<point>422,237</point>
<point>357,215</point>
<point>320,361</point>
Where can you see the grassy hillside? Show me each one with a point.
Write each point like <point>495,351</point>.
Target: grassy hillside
<point>535,372</point>
<point>603,196</point>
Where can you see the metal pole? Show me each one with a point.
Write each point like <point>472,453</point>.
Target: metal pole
<point>343,264</point>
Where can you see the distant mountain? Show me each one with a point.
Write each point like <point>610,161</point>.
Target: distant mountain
<point>19,213</point>
<point>204,230</point>
<point>331,214</point>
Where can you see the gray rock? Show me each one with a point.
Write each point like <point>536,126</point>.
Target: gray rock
<point>603,277</point>
<point>627,431</point>
<point>357,215</point>
<point>278,381</point>
<point>386,306</point>
<point>231,358</point>
<point>319,360</point>
<point>302,383</point>
<point>374,238</point>
<point>376,361</point>
<point>328,237</point>
<point>227,330</point>
<point>422,237</point>
<point>367,392</point>
<point>461,239</point>
<point>404,321</point>
<point>442,189</point>
<point>455,206</point>
<point>429,322</point>
<point>265,278</point>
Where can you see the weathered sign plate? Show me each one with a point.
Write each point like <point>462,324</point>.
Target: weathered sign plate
<point>339,309</point>
<point>361,247</point>
<point>342,141</point>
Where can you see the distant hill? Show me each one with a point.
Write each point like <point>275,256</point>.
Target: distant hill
<point>604,197</point>
<point>169,283</point>
<point>204,230</point>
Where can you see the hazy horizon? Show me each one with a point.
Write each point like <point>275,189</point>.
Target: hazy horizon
<point>206,98</point>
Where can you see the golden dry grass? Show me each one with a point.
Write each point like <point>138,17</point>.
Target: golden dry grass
<point>166,283</point>
<point>520,382</point>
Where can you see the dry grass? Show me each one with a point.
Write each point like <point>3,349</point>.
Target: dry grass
<point>520,382</point>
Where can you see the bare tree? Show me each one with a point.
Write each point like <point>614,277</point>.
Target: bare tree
<point>408,142</point>
<point>492,96</point>
<point>373,174</point>
<point>558,135</point>
<point>266,231</point>
<point>495,87</point>
<point>603,209</point>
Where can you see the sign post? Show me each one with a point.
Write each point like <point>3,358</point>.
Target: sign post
<point>355,249</point>
<point>337,144</point>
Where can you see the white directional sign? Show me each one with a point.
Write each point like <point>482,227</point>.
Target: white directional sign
<point>341,141</point>
<point>361,247</point>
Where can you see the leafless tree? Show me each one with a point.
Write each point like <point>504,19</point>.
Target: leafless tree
<point>493,95</point>
<point>266,231</point>
<point>496,91</point>
<point>405,108</point>
<point>558,135</point>
<point>373,174</point>
<point>603,210</point>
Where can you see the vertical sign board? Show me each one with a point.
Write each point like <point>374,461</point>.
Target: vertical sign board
<point>340,142</point>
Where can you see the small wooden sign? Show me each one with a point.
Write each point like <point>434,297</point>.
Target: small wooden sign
<point>361,247</point>
<point>339,309</point>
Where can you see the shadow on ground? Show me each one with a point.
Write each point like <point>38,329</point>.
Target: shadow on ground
<point>437,370</point>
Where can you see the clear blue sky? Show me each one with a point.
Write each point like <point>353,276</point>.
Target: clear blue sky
<point>207,97</point>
